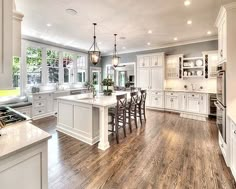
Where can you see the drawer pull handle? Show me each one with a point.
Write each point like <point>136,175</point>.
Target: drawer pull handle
<point>39,104</point>
<point>40,111</point>
<point>235,132</point>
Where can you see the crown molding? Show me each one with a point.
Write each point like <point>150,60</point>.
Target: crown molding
<point>212,38</point>
<point>223,10</point>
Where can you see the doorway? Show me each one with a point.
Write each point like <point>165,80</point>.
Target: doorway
<point>95,77</point>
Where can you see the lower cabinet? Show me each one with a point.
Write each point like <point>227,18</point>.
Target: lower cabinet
<point>155,99</point>
<point>25,110</point>
<point>233,148</point>
<point>193,104</point>
<point>197,103</point>
<point>172,101</point>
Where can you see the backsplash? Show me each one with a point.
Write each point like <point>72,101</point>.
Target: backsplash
<point>207,84</point>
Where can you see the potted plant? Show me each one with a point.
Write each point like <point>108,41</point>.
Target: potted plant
<point>107,83</point>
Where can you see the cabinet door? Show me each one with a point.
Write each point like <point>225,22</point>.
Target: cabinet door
<point>193,105</point>
<point>168,102</point>
<point>143,78</point>
<point>233,148</point>
<point>144,61</point>
<point>154,61</point>
<point>148,99</point>
<point>204,103</point>
<point>224,37</point>
<point>182,102</point>
<point>156,78</point>
<point>157,101</point>
<point>220,43</point>
<point>50,106</point>
<point>175,103</point>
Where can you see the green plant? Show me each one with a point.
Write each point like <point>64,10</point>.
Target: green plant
<point>107,83</point>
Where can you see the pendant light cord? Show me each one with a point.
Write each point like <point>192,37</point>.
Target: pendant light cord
<point>94,36</point>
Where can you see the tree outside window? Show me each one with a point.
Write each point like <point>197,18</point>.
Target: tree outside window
<point>68,67</point>
<point>34,65</point>
<point>16,72</point>
<point>53,66</point>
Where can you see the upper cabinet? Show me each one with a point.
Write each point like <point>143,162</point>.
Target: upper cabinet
<point>173,66</point>
<point>210,62</point>
<point>10,40</point>
<point>150,71</point>
<point>222,43</point>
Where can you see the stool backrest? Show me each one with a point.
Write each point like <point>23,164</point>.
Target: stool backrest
<point>121,102</point>
<point>133,100</point>
<point>143,96</point>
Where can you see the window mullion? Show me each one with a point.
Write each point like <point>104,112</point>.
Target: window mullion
<point>44,67</point>
<point>61,69</point>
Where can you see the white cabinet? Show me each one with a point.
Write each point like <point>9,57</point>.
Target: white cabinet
<point>42,105</point>
<point>1,36</point>
<point>173,66</point>
<point>25,110</point>
<point>211,62</point>
<point>171,101</point>
<point>156,78</point>
<point>156,99</point>
<point>204,104</point>
<point>144,61</point>
<point>143,78</point>
<point>193,103</point>
<point>182,101</point>
<point>222,43</point>
<point>233,148</point>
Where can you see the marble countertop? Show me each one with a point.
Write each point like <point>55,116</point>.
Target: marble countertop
<point>231,111</point>
<point>191,91</point>
<point>99,100</point>
<point>57,91</point>
<point>20,136</point>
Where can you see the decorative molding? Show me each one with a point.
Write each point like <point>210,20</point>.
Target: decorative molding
<point>212,38</point>
<point>17,15</point>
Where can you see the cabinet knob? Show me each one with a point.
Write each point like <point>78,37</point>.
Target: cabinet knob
<point>193,95</point>
<point>235,132</point>
<point>143,64</point>
<point>221,53</point>
<point>156,99</point>
<point>155,63</point>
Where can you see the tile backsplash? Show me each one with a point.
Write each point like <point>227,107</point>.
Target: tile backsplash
<point>207,84</point>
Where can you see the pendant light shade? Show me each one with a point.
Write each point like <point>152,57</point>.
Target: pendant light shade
<point>94,52</point>
<point>115,57</point>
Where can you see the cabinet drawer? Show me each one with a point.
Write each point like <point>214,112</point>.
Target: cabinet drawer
<point>171,94</point>
<point>25,111</point>
<point>39,97</point>
<point>193,95</point>
<point>39,103</point>
<point>39,111</point>
<point>156,93</point>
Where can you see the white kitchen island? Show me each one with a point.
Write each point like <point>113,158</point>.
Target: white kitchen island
<point>86,118</point>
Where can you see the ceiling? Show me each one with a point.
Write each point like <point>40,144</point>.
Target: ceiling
<point>128,18</point>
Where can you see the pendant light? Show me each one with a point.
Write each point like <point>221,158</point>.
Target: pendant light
<point>115,57</point>
<point>94,52</point>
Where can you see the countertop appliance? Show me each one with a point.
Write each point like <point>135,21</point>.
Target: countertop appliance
<point>8,116</point>
<point>221,100</point>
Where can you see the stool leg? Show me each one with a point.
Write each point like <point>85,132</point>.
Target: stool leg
<point>130,126</point>
<point>144,112</point>
<point>117,131</point>
<point>140,114</point>
<point>124,122</point>
<point>135,117</point>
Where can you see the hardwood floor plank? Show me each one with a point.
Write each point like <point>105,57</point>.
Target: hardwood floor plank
<point>165,152</point>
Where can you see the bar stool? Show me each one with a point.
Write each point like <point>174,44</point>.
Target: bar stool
<point>118,115</point>
<point>141,106</point>
<point>131,109</point>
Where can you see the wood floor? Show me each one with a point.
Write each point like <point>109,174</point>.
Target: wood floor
<point>166,152</point>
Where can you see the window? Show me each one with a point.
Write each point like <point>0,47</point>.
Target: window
<point>110,73</point>
<point>34,65</point>
<point>81,69</point>
<point>53,66</point>
<point>68,67</point>
<point>16,72</point>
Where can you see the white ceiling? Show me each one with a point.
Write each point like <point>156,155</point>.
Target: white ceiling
<point>128,18</point>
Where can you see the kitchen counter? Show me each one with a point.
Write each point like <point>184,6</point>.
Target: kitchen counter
<point>191,91</point>
<point>57,91</point>
<point>20,136</point>
<point>231,111</point>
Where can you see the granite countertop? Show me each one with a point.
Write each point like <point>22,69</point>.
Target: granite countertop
<point>20,136</point>
<point>191,91</point>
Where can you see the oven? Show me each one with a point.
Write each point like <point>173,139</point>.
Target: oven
<point>221,84</point>
<point>221,100</point>
<point>221,119</point>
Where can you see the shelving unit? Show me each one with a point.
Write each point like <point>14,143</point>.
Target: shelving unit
<point>191,69</point>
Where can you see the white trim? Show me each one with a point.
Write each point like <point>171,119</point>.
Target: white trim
<point>212,38</point>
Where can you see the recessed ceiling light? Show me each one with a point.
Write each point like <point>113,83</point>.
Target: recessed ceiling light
<point>187,3</point>
<point>49,25</point>
<point>189,22</point>
<point>149,31</point>
<point>209,33</point>
<point>71,11</point>
<point>176,39</point>
<point>148,43</point>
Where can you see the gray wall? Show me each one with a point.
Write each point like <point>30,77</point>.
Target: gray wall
<point>189,50</point>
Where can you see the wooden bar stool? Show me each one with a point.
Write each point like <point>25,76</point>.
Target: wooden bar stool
<point>132,109</point>
<point>141,106</point>
<point>118,115</point>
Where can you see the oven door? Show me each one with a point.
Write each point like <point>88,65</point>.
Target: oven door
<point>221,78</point>
<point>221,119</point>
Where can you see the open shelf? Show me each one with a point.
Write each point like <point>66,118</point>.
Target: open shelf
<point>193,58</point>
<point>201,67</point>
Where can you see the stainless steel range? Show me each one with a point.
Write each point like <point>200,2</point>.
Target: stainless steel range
<point>8,116</point>
<point>221,100</point>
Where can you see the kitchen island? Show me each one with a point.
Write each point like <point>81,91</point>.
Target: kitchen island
<point>23,157</point>
<point>86,118</point>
